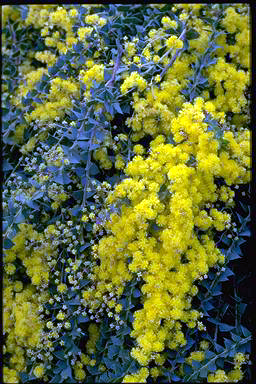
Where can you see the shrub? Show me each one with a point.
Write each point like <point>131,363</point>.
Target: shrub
<point>127,168</point>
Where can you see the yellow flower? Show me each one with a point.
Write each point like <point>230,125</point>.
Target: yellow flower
<point>67,325</point>
<point>130,49</point>
<point>183,16</point>
<point>195,356</point>
<point>138,149</point>
<point>204,344</point>
<point>10,269</point>
<point>49,324</point>
<point>73,12</point>
<point>235,375</point>
<point>18,286</point>
<point>119,163</point>
<point>10,375</point>
<point>83,32</point>
<point>174,42</point>
<point>133,80</point>
<point>154,372</point>
<point>60,316</point>
<point>85,359</point>
<point>168,23</point>
<point>39,371</point>
<point>85,218</point>
<point>239,358</point>
<point>62,288</point>
<point>118,308</point>
<point>219,376</point>
<point>92,362</point>
<point>80,374</point>
<point>55,205</point>
<point>50,42</point>
<point>157,78</point>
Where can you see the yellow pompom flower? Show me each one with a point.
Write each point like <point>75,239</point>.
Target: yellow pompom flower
<point>119,163</point>
<point>235,375</point>
<point>92,362</point>
<point>18,286</point>
<point>138,149</point>
<point>85,359</point>
<point>73,12</point>
<point>60,316</point>
<point>239,358</point>
<point>85,218</point>
<point>62,288</point>
<point>168,23</point>
<point>204,344</point>
<point>133,80</point>
<point>83,32</point>
<point>39,371</point>
<point>118,308</point>
<point>80,374</point>
<point>10,269</point>
<point>157,78</point>
<point>217,377</point>
<point>67,325</point>
<point>174,42</point>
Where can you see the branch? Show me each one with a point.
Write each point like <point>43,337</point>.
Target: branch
<point>11,225</point>
<point>222,354</point>
<point>116,66</point>
<point>87,169</point>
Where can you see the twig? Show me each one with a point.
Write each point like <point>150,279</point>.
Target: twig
<point>129,149</point>
<point>116,66</point>
<point>14,169</point>
<point>216,334</point>
<point>13,222</point>
<point>88,164</point>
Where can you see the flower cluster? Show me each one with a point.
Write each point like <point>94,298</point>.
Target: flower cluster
<point>58,100</point>
<point>30,247</point>
<point>22,324</point>
<point>233,376</point>
<point>154,112</point>
<point>49,17</point>
<point>168,281</point>
<point>95,73</point>
<point>229,86</point>
<point>132,81</point>
<point>174,42</point>
<point>140,377</point>
<point>237,22</point>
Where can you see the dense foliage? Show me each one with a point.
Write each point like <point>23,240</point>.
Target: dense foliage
<point>126,146</point>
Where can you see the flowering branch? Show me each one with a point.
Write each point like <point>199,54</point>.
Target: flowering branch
<point>177,54</point>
